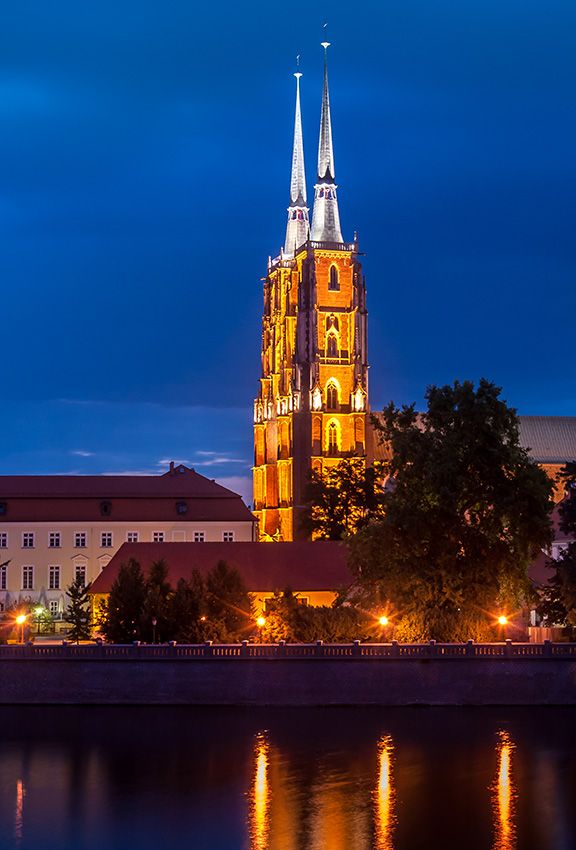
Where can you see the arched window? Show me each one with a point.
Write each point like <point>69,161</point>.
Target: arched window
<point>331,346</point>
<point>332,438</point>
<point>334,281</point>
<point>331,396</point>
<point>316,429</point>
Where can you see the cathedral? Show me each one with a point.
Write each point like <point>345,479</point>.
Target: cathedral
<point>312,405</point>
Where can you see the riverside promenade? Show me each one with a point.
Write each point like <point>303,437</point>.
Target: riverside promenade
<point>290,674</point>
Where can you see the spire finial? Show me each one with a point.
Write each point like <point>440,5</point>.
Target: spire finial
<point>326,218</point>
<point>298,227</point>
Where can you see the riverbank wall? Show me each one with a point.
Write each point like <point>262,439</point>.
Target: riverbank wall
<point>306,675</point>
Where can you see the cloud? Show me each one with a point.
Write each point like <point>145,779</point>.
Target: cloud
<point>81,453</point>
<point>220,460</point>
<point>175,461</point>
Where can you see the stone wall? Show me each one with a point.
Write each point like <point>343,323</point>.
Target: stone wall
<point>306,681</point>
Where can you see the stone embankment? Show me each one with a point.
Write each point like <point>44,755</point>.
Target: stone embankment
<point>290,674</point>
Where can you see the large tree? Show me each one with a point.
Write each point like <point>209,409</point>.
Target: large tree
<point>465,511</point>
<point>123,623</point>
<point>78,610</point>
<point>342,499</point>
<point>186,610</point>
<point>228,604</point>
<point>155,616</point>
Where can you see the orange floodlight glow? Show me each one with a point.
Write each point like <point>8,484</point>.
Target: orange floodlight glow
<point>383,620</point>
<point>502,620</point>
<point>261,621</point>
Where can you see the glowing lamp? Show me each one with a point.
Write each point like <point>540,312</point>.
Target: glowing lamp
<point>38,611</point>
<point>383,621</point>
<point>261,621</point>
<point>21,619</point>
<point>502,620</point>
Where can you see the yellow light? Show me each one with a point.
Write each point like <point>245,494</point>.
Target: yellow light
<point>38,611</point>
<point>502,620</point>
<point>261,621</point>
<point>383,621</point>
<point>202,619</point>
<point>20,619</point>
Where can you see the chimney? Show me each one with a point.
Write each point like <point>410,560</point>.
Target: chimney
<point>172,467</point>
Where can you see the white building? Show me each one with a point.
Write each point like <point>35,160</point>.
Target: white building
<point>56,527</point>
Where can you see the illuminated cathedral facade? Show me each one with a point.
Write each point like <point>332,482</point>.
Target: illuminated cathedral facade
<point>312,405</point>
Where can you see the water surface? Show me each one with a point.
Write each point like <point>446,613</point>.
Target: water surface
<point>287,779</point>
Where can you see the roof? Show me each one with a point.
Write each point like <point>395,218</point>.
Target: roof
<point>129,497</point>
<point>265,567</point>
<point>549,439</point>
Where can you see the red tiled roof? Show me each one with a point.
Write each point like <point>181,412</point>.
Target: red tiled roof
<point>132,497</point>
<point>265,567</point>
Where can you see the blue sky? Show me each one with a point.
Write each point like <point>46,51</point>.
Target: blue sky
<point>144,174</point>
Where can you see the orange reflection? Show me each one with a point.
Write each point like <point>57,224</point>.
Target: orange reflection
<point>19,813</point>
<point>260,796</point>
<point>503,796</point>
<point>384,796</point>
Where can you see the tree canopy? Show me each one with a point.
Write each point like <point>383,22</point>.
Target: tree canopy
<point>78,610</point>
<point>342,500</point>
<point>465,511</point>
<point>558,597</point>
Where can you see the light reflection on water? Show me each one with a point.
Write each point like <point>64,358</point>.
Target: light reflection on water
<point>101,779</point>
<point>384,813</point>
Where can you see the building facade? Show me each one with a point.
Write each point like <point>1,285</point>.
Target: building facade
<point>312,404</point>
<point>54,528</point>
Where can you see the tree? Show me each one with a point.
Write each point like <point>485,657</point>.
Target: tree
<point>155,619</point>
<point>126,604</point>
<point>467,512</point>
<point>228,604</point>
<point>342,500</point>
<point>186,618</point>
<point>287,619</point>
<point>558,596</point>
<point>78,611</point>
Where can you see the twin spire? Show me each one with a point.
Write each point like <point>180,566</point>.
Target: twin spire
<point>325,215</point>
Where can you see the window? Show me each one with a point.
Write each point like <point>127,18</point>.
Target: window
<point>28,540</point>
<point>80,540</point>
<point>331,396</point>
<point>3,508</point>
<point>332,438</point>
<point>54,540</point>
<point>158,537</point>
<point>3,539</point>
<point>3,576</point>
<point>228,536</point>
<point>53,578</point>
<point>181,508</point>
<point>105,508</point>
<point>334,281</point>
<point>199,537</point>
<point>132,537</point>
<point>106,539</point>
<point>54,607</point>
<point>332,346</point>
<point>28,578</point>
<point>80,573</point>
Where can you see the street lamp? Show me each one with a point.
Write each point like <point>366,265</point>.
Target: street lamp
<point>38,611</point>
<point>20,620</point>
<point>261,622</point>
<point>154,624</point>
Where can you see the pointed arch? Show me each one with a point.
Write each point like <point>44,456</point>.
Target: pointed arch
<point>332,394</point>
<point>333,437</point>
<point>332,346</point>
<point>333,279</point>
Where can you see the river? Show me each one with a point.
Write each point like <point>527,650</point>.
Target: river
<point>122,778</point>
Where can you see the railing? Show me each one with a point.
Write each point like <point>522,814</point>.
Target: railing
<point>356,650</point>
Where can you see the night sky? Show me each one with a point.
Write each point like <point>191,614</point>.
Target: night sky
<point>144,177</point>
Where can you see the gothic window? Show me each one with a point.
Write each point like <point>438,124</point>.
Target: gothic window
<point>334,281</point>
<point>332,346</point>
<point>332,438</point>
<point>331,396</point>
<point>316,429</point>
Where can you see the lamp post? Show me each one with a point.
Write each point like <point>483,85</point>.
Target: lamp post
<point>260,622</point>
<point>154,624</point>
<point>38,611</point>
<point>503,622</point>
<point>383,622</point>
<point>20,620</point>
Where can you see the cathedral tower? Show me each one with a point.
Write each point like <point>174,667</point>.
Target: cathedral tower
<point>312,405</point>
